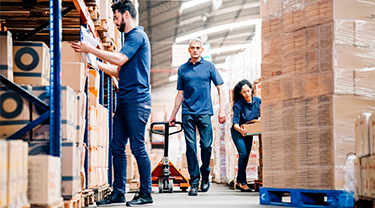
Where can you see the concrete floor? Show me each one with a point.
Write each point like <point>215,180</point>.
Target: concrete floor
<point>219,196</point>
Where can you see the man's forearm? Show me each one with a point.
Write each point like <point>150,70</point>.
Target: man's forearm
<point>111,70</point>
<point>111,57</point>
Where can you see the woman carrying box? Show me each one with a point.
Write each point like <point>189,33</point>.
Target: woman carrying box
<point>246,108</point>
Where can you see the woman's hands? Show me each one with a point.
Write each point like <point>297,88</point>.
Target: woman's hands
<point>240,129</point>
<point>243,131</point>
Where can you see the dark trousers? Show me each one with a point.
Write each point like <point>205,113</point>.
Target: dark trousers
<point>203,124</point>
<point>129,122</point>
<point>243,145</point>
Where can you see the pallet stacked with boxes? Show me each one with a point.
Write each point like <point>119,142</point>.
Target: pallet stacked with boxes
<point>25,167</point>
<point>365,162</point>
<point>14,174</point>
<point>316,70</point>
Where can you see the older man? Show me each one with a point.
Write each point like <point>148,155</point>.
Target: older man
<point>194,94</point>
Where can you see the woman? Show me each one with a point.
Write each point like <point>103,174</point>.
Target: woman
<point>246,108</point>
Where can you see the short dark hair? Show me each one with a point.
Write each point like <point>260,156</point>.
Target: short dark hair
<point>125,5</point>
<point>238,88</point>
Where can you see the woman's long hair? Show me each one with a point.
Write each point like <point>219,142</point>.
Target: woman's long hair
<point>237,89</point>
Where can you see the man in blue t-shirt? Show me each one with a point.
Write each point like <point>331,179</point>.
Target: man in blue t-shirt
<point>132,67</point>
<point>194,94</point>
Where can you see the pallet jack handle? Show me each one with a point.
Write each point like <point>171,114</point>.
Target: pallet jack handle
<point>166,132</point>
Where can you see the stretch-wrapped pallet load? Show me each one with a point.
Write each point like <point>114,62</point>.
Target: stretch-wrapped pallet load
<point>317,76</point>
<point>13,169</point>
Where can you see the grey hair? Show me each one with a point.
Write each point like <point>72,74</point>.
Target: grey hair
<point>194,40</point>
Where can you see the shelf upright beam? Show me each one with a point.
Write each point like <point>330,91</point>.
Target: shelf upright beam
<point>55,87</point>
<point>110,127</point>
<point>85,15</point>
<point>86,136</point>
<point>101,88</point>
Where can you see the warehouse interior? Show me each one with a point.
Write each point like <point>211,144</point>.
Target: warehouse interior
<point>311,62</point>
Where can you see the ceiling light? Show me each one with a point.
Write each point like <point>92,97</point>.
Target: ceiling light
<point>229,48</point>
<point>193,3</point>
<point>217,29</point>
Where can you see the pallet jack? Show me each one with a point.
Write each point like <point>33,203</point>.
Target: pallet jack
<point>165,175</point>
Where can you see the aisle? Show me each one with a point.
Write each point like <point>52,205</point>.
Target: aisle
<point>219,196</point>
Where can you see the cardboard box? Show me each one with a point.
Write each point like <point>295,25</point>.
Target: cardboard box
<point>364,82</point>
<point>70,171</point>
<point>73,74</point>
<point>14,111</point>
<point>371,124</point>
<point>31,63</point>
<point>358,177</point>
<point>3,173</point>
<point>24,178</point>
<point>362,131</point>
<point>6,55</point>
<point>253,128</point>
<point>14,172</point>
<point>93,97</point>
<point>93,156</point>
<point>93,176</point>
<point>68,114</point>
<point>93,116</point>
<point>94,79</point>
<point>69,55</point>
<point>81,109</point>
<point>44,179</point>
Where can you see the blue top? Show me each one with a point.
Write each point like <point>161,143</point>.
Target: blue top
<point>134,84</point>
<point>244,111</point>
<point>195,81</point>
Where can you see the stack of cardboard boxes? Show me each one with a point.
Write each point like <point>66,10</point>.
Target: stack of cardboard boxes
<point>316,70</point>
<point>31,71</point>
<point>98,146</point>
<point>13,172</point>
<point>365,152</point>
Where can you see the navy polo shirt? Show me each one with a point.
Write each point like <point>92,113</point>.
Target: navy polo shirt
<point>195,81</point>
<point>244,111</point>
<point>134,84</point>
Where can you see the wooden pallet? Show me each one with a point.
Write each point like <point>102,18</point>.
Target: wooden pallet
<point>101,192</point>
<point>87,197</point>
<point>75,202</point>
<point>306,198</point>
<point>57,204</point>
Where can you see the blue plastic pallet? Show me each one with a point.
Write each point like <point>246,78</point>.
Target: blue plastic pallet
<point>306,198</point>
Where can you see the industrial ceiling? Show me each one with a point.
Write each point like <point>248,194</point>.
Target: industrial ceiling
<point>166,21</point>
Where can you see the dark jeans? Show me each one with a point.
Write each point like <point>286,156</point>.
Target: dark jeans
<point>243,145</point>
<point>203,123</point>
<point>129,122</point>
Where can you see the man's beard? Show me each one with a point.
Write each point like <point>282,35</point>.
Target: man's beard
<point>122,26</point>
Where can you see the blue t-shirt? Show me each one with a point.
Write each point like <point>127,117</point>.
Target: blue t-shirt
<point>244,111</point>
<point>134,84</point>
<point>195,81</point>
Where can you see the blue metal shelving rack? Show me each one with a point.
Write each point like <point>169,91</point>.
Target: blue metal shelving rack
<point>55,87</point>
<point>52,111</point>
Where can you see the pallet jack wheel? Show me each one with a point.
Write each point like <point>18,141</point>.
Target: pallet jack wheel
<point>170,185</point>
<point>160,185</point>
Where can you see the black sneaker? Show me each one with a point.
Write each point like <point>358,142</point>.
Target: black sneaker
<point>140,199</point>
<point>114,199</point>
<point>205,185</point>
<point>193,190</point>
